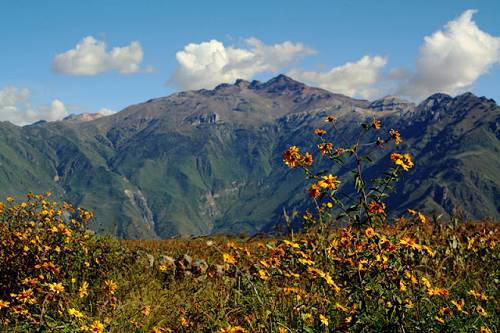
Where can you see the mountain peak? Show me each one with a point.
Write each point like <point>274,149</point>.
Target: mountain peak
<point>390,103</point>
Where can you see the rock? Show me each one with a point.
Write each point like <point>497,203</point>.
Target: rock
<point>200,266</point>
<point>145,258</point>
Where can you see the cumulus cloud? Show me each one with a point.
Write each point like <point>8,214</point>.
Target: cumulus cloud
<point>16,107</point>
<point>452,59</point>
<point>105,112</point>
<point>207,64</point>
<point>90,57</point>
<point>353,78</point>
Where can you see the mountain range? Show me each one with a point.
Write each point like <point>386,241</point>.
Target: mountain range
<point>209,161</point>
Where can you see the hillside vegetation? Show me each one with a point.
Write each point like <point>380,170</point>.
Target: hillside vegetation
<point>349,269</point>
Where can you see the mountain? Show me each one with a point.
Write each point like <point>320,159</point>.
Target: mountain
<point>209,161</point>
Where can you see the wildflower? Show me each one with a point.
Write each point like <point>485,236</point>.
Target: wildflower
<point>83,289</point>
<point>233,329</point>
<point>376,208</point>
<point>314,191</point>
<point>330,282</point>
<point>75,313</point>
<point>396,136</point>
<point>347,320</point>
<point>369,232</point>
<point>403,161</point>
<point>307,160</point>
<point>110,286</point>
<point>380,142</point>
<point>480,311</point>
<point>264,275</point>
<point>422,218</point>
<point>4,304</point>
<point>146,310</point>
<point>55,287</point>
<point>376,123</point>
<point>408,303</point>
<point>323,320</point>
<point>402,285</point>
<point>412,212</point>
<point>163,268</point>
<point>428,249</point>
<point>477,295</point>
<point>228,259</point>
<point>445,311</point>
<point>330,119</point>
<point>460,306</point>
<point>438,292</point>
<point>291,157</point>
<point>439,320</point>
<point>426,282</point>
<point>484,329</point>
<point>96,327</point>
<point>319,132</point>
<point>330,182</point>
<point>307,262</point>
<point>408,242</point>
<point>291,244</point>
<point>340,307</point>
<point>325,148</point>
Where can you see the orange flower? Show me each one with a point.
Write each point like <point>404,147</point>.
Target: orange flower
<point>396,136</point>
<point>325,148</point>
<point>330,182</point>
<point>376,208</point>
<point>307,160</point>
<point>319,132</point>
<point>376,123</point>
<point>291,157</point>
<point>314,191</point>
<point>369,232</point>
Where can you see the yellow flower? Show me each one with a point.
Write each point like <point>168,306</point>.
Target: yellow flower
<point>421,218</point>
<point>146,310</point>
<point>314,191</point>
<point>233,329</point>
<point>291,244</point>
<point>402,285</point>
<point>110,286</point>
<point>460,306</point>
<point>369,232</point>
<point>439,320</point>
<point>481,311</point>
<point>325,148</point>
<point>75,313</point>
<point>403,161</point>
<point>229,259</point>
<point>264,275</point>
<point>376,208</point>
<point>376,123</point>
<point>82,291</point>
<point>56,287</point>
<point>291,157</point>
<point>96,327</point>
<point>484,329</point>
<point>330,182</point>
<point>477,295</point>
<point>348,319</point>
<point>323,320</point>
<point>4,304</point>
<point>426,282</point>
<point>307,160</point>
<point>319,132</point>
<point>396,136</point>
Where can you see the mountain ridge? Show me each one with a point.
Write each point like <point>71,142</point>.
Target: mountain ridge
<point>206,161</point>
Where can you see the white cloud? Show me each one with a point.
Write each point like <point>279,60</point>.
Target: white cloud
<point>90,57</point>
<point>452,59</point>
<point>208,64</point>
<point>16,107</point>
<point>352,79</point>
<point>105,112</point>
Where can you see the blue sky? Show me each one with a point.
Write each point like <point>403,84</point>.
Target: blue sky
<point>324,36</point>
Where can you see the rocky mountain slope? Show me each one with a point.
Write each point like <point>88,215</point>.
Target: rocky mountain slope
<point>209,161</point>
